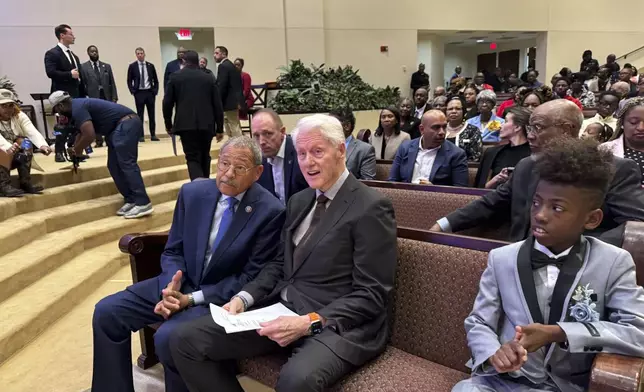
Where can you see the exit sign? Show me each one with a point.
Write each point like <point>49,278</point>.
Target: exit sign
<point>184,34</point>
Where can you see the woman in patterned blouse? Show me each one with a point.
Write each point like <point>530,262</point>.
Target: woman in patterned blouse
<point>467,137</point>
<point>628,140</point>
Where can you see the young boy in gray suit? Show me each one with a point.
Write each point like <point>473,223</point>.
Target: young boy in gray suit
<point>548,304</point>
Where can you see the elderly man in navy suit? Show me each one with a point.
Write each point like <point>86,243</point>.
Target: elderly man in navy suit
<point>222,234</point>
<point>430,159</point>
<point>282,175</point>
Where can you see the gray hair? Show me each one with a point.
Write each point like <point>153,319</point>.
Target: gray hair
<point>488,95</point>
<point>329,126</point>
<point>245,142</point>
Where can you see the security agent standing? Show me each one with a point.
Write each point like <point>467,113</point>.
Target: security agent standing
<point>121,128</point>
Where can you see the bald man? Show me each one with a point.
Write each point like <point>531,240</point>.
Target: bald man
<point>430,159</point>
<point>439,91</point>
<point>513,200</point>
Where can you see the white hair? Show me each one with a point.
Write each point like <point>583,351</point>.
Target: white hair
<point>329,126</point>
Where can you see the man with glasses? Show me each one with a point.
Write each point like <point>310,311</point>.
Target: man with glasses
<point>513,199</point>
<point>223,232</point>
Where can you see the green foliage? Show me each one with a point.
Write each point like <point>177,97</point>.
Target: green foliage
<point>319,90</point>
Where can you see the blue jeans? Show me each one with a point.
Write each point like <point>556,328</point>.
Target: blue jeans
<point>122,154</point>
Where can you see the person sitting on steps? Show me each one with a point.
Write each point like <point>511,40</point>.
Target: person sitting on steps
<point>15,127</point>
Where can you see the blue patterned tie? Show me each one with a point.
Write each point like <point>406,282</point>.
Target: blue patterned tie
<point>226,220</point>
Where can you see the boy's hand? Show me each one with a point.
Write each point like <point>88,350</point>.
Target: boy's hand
<point>510,357</point>
<point>534,336</point>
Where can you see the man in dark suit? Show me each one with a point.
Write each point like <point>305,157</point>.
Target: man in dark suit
<point>335,269</point>
<point>99,81</point>
<point>361,156</point>
<point>173,66</point>
<point>223,232</point>
<point>513,199</point>
<point>63,66</point>
<point>430,159</point>
<point>419,79</point>
<point>282,175</point>
<point>199,114</point>
<point>230,87</point>
<point>143,83</point>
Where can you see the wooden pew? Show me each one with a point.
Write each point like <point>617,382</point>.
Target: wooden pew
<point>431,268</point>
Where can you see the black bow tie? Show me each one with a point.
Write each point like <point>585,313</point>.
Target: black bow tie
<point>540,260</point>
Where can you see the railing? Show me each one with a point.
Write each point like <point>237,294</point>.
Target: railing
<point>630,53</point>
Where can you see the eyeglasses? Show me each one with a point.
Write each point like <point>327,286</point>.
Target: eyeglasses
<point>537,129</point>
<point>238,170</point>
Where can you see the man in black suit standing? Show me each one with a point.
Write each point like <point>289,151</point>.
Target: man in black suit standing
<point>63,66</point>
<point>99,81</point>
<point>230,87</point>
<point>282,175</point>
<point>173,66</point>
<point>336,271</point>
<point>199,115</point>
<point>513,200</point>
<point>143,83</point>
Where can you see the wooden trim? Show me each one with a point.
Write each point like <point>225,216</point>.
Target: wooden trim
<point>449,239</point>
<point>426,188</point>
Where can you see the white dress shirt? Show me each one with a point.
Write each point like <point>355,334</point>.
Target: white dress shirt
<point>420,111</point>
<point>146,79</point>
<point>277,164</point>
<point>424,162</point>
<point>222,205</point>
<point>67,52</point>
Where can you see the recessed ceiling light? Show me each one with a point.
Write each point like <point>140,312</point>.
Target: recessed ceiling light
<point>479,41</point>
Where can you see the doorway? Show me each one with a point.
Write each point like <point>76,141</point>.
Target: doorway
<point>199,39</point>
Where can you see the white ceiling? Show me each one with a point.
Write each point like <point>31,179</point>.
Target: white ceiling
<point>469,38</point>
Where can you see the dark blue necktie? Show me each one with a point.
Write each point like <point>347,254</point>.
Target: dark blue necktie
<point>226,220</point>
<point>142,81</point>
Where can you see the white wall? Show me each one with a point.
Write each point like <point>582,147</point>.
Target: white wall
<point>203,42</point>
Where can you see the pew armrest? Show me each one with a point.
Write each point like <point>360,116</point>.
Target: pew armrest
<point>145,251</point>
<point>616,373</point>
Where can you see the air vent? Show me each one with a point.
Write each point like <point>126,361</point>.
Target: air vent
<point>456,43</point>
<point>465,32</point>
<point>476,38</point>
<point>506,38</point>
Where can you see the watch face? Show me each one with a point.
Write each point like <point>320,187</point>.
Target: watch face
<point>316,327</point>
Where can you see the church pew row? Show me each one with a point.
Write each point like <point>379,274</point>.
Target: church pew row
<point>436,283</point>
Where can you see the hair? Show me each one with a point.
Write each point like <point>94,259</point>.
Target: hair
<point>605,134</point>
<point>273,115</point>
<point>577,163</point>
<point>565,71</point>
<point>190,57</point>
<point>608,94</point>
<point>622,88</point>
<point>330,128</point>
<point>531,91</point>
<point>588,52</point>
<point>245,142</point>
<point>61,29</point>
<point>379,131</point>
<point>623,111</point>
<point>565,79</point>
<point>241,60</point>
<point>222,49</point>
<point>90,47</point>
<point>436,100</point>
<point>139,48</point>
<point>486,94</point>
<point>345,115</point>
<point>203,58</point>
<point>520,117</point>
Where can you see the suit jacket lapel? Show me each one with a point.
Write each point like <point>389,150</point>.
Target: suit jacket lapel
<point>244,212</point>
<point>351,149</point>
<point>209,204</point>
<point>533,181</point>
<point>289,158</point>
<point>567,277</point>
<point>334,212</point>
<point>441,155</point>
<point>526,279</point>
<point>64,54</point>
<point>411,159</point>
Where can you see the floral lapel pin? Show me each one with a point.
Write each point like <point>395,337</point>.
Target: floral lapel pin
<point>583,310</point>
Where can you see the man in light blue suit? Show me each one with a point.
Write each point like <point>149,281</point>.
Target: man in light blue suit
<point>430,159</point>
<point>222,234</point>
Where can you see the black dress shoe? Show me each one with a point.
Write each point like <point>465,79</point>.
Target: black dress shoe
<point>154,139</point>
<point>98,145</point>
<point>60,158</point>
<point>33,189</point>
<point>141,139</point>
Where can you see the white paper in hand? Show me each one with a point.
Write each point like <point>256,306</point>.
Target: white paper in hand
<point>248,321</point>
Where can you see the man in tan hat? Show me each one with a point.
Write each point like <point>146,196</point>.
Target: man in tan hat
<point>18,138</point>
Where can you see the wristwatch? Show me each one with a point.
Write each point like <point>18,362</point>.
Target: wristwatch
<point>191,300</point>
<point>316,323</point>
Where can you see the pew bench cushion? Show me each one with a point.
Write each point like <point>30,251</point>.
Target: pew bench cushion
<point>393,370</point>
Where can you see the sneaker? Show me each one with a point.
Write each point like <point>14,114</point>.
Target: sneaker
<point>126,207</point>
<point>139,211</point>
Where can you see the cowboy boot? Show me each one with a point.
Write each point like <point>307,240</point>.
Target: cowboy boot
<point>6,189</point>
<point>24,177</point>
